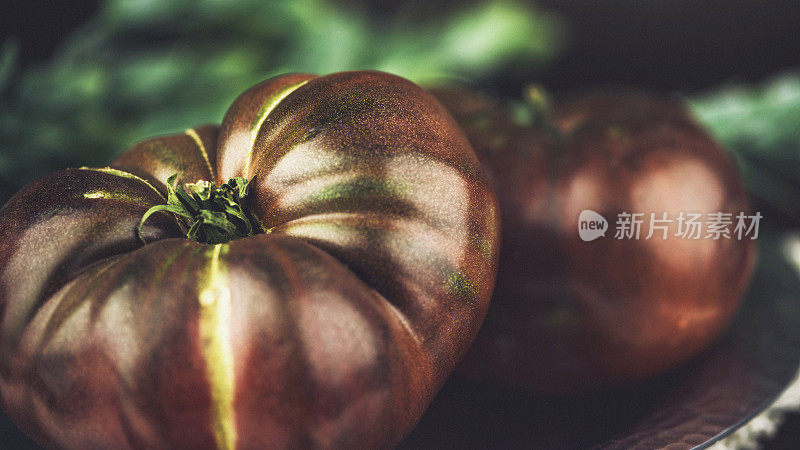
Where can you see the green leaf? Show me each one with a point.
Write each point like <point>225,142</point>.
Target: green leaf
<point>214,214</point>
<point>169,208</point>
<point>760,126</point>
<point>187,200</point>
<point>194,230</point>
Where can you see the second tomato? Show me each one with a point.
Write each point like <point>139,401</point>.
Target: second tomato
<point>570,314</point>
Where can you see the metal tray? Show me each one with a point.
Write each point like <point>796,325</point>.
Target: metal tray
<point>690,407</point>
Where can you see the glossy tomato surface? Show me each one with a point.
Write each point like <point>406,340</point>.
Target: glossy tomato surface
<point>571,315</point>
<point>334,328</point>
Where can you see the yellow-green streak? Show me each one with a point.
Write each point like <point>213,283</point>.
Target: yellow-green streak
<point>215,334</point>
<point>108,195</point>
<point>117,196</point>
<point>199,142</point>
<point>123,174</point>
<point>262,116</point>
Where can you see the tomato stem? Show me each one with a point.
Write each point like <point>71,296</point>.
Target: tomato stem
<point>539,105</point>
<point>211,214</point>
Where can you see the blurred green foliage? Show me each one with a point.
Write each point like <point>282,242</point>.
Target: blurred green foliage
<point>760,126</point>
<point>142,68</point>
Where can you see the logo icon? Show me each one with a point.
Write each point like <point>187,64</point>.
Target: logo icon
<point>591,225</point>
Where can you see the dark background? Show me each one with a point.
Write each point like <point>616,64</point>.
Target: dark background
<point>686,45</point>
<point>679,45</point>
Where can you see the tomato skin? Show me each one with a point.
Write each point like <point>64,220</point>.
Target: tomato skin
<point>569,315</point>
<point>191,155</point>
<point>333,329</point>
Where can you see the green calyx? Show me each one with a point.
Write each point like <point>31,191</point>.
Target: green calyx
<point>212,214</point>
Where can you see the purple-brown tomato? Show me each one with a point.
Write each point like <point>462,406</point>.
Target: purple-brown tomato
<point>365,279</point>
<point>568,314</point>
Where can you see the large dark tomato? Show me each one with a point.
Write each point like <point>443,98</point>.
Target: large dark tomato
<point>333,328</point>
<point>569,314</point>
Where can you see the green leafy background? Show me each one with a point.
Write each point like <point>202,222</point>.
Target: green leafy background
<point>140,68</point>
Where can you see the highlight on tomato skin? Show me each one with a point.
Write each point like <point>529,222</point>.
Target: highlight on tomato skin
<point>306,274</point>
<point>569,315</point>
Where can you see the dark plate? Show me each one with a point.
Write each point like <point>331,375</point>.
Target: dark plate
<point>694,405</point>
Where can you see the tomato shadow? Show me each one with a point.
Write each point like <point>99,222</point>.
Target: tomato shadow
<point>467,415</point>
<point>12,438</point>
